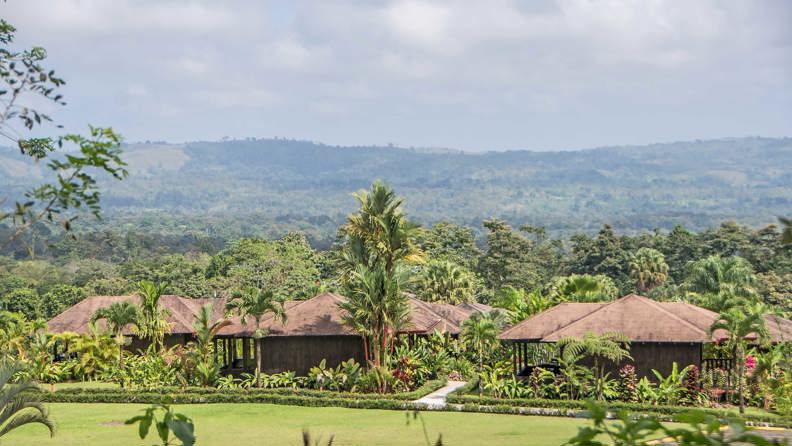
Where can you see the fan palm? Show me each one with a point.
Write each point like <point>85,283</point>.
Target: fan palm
<point>648,269</point>
<point>742,325</point>
<point>583,288</point>
<point>19,404</point>
<point>444,281</point>
<point>252,302</point>
<point>480,331</point>
<point>153,323</point>
<point>118,316</point>
<point>607,347</point>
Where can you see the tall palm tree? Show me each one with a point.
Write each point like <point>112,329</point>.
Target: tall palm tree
<point>153,323</point>
<point>378,241</point>
<point>444,281</point>
<point>19,403</point>
<point>721,282</point>
<point>648,269</point>
<point>607,347</point>
<point>117,316</point>
<point>252,302</point>
<point>376,307</point>
<point>379,233</point>
<point>743,324</point>
<point>480,331</point>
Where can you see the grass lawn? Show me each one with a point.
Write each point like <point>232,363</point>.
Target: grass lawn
<point>265,424</point>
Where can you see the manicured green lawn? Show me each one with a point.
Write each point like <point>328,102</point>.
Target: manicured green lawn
<point>264,424</point>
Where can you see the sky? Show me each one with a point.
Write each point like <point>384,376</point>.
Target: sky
<point>472,75</point>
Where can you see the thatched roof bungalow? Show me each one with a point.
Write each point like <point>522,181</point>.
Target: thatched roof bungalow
<point>313,330</point>
<point>660,333</point>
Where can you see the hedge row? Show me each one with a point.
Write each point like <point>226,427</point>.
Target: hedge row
<point>210,394</point>
<point>538,406</point>
<point>147,397</point>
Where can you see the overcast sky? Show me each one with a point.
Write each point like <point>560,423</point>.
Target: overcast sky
<point>475,75</point>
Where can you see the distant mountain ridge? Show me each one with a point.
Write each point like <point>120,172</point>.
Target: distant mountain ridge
<point>698,184</point>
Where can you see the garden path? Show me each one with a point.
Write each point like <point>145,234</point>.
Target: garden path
<point>437,399</point>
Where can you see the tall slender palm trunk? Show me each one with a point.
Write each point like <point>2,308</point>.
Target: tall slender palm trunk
<point>258,362</point>
<point>740,372</point>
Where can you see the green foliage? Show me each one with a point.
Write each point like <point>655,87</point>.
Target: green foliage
<point>740,324</point>
<point>287,266</point>
<point>480,333</point>
<point>648,269</point>
<point>444,281</point>
<point>255,303</point>
<point>627,430</point>
<point>720,282</point>
<point>152,323</point>
<point>608,347</point>
<point>522,304</point>
<point>582,288</point>
<point>179,425</point>
<point>19,403</point>
<point>22,300</point>
<point>59,298</point>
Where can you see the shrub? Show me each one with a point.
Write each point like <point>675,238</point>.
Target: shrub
<point>628,384</point>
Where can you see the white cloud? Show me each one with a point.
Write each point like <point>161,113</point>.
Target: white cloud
<point>510,73</point>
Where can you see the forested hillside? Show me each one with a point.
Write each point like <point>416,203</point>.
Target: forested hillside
<point>266,187</point>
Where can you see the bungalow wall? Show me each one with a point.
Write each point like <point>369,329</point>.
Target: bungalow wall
<point>659,356</point>
<point>300,353</point>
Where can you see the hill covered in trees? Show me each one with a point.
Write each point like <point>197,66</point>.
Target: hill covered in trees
<point>266,187</point>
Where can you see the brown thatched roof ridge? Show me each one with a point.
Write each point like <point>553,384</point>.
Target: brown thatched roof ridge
<point>542,324</point>
<point>639,318</point>
<point>181,313</point>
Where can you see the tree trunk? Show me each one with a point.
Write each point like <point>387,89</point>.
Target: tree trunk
<point>481,372</point>
<point>121,364</point>
<point>365,349</point>
<point>258,362</point>
<point>740,372</point>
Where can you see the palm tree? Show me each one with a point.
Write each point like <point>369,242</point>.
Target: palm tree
<point>252,302</point>
<point>742,324</point>
<point>205,330</point>
<point>19,403</point>
<point>612,347</point>
<point>376,307</point>
<point>379,233</point>
<point>378,241</point>
<point>153,323</point>
<point>648,269</point>
<point>583,288</point>
<point>444,281</point>
<point>117,316</point>
<point>480,331</point>
<point>720,282</point>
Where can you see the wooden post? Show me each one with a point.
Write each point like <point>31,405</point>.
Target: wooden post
<point>245,352</point>
<point>514,357</point>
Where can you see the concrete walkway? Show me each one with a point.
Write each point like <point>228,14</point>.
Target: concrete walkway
<point>437,399</point>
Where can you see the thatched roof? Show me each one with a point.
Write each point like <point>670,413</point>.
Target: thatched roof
<point>322,316</point>
<point>181,313</point>
<point>318,316</point>
<point>639,318</point>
